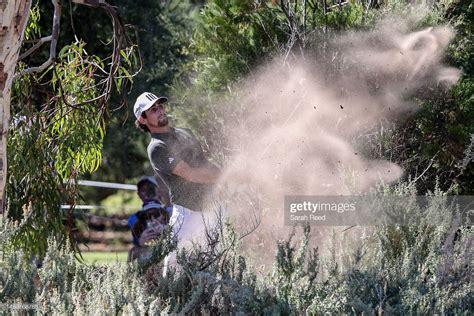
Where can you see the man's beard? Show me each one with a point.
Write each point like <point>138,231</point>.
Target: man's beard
<point>163,122</point>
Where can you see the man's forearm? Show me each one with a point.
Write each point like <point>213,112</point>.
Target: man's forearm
<point>206,175</point>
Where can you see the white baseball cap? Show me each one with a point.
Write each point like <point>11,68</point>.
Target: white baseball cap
<point>146,101</point>
<point>151,205</point>
<point>147,179</point>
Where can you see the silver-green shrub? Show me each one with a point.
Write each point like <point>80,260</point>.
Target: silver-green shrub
<point>417,269</point>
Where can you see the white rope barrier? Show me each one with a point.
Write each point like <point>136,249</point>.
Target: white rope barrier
<point>111,185</point>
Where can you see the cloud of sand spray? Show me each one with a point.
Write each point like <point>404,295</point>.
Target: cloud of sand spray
<point>298,119</point>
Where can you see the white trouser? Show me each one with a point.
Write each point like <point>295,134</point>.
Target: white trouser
<point>188,228</point>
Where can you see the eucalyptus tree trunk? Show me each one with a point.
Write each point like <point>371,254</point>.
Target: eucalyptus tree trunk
<point>13,20</point>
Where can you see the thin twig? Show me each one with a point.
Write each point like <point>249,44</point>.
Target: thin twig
<point>429,166</point>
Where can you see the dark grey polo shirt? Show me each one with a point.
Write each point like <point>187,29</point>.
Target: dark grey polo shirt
<point>165,151</point>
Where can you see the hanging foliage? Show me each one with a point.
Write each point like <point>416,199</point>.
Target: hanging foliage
<point>59,112</point>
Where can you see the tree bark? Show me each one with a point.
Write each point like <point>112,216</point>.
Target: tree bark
<point>13,20</point>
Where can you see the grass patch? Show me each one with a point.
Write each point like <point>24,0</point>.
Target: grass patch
<point>100,257</point>
<point>122,202</point>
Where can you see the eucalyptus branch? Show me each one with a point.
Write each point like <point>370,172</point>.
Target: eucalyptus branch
<point>119,39</point>
<point>52,47</point>
<point>37,45</point>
